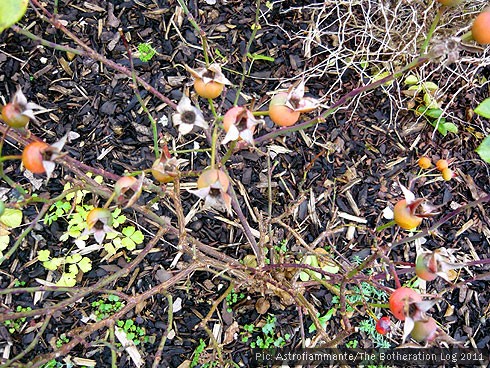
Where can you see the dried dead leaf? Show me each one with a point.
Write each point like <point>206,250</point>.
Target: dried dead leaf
<point>230,333</point>
<point>262,306</point>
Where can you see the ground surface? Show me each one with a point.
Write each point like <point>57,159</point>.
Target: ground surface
<point>332,181</point>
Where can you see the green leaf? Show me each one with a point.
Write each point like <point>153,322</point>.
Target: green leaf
<point>433,113</point>
<point>11,217</point>
<point>380,76</point>
<point>67,280</point>
<point>484,149</point>
<point>50,265</point>
<point>11,11</point>
<point>128,230</point>
<point>411,79</point>
<point>4,242</point>
<point>138,237</point>
<point>110,249</point>
<point>43,255</point>
<point>73,270</point>
<point>85,264</point>
<point>483,109</point>
<point>430,86</point>
<point>255,56</point>
<point>331,268</point>
<point>304,276</point>
<point>128,324</point>
<point>441,126</point>
<point>74,258</point>
<point>128,243</point>
<point>450,127</point>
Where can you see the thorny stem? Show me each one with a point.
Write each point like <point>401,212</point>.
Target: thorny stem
<point>343,306</point>
<point>195,25</point>
<point>432,28</point>
<point>246,227</point>
<point>80,334</point>
<point>161,346</point>
<point>61,289</point>
<point>99,285</point>
<point>51,45</point>
<point>138,95</point>
<point>228,153</point>
<point>68,161</point>
<point>113,343</point>
<point>255,28</point>
<point>206,319</point>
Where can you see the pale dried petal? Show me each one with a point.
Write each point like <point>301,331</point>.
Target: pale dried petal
<point>231,135</point>
<point>19,98</point>
<point>227,200</point>
<point>425,305</point>
<point>407,327</point>
<point>58,146</point>
<point>49,167</point>
<point>29,114</point>
<point>201,193</point>
<point>297,91</point>
<point>307,104</point>
<point>218,75</point>
<point>247,136</point>
<point>33,106</point>
<point>409,196</point>
<point>184,104</point>
<point>185,128</point>
<point>200,122</point>
<point>221,203</point>
<point>99,236</point>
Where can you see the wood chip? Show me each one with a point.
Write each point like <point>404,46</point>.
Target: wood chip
<point>93,7</point>
<point>66,66</point>
<point>129,346</point>
<point>349,217</point>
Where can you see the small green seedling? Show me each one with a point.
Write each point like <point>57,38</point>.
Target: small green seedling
<point>323,320</point>
<point>366,293</point>
<point>282,246</point>
<point>232,298</point>
<point>197,353</point>
<point>63,339</point>
<point>268,338</point>
<point>16,325</point>
<point>105,307</point>
<point>146,52</point>
<point>133,332</point>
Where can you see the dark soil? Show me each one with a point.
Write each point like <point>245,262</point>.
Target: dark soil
<point>348,165</point>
